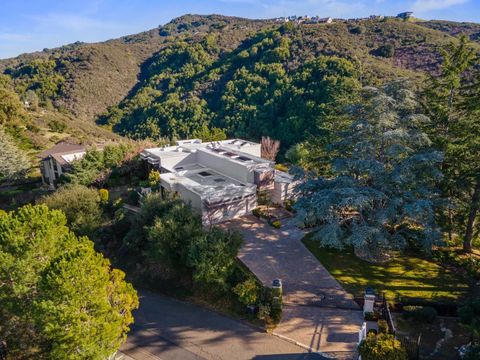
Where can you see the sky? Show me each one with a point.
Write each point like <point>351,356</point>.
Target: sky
<point>32,25</point>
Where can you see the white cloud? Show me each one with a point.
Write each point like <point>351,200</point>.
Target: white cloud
<point>427,5</point>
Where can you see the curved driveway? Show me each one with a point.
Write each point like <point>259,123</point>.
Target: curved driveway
<point>318,313</point>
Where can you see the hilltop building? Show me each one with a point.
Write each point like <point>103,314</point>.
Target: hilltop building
<point>219,179</point>
<point>405,15</point>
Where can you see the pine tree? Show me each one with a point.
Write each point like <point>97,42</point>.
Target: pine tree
<point>59,299</point>
<point>451,100</point>
<point>383,190</point>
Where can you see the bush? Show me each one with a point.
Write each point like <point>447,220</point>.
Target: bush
<point>277,224</point>
<point>382,326</point>
<point>247,292</point>
<point>424,314</point>
<point>81,206</point>
<point>357,29</point>
<point>386,51</point>
<point>104,195</point>
<point>258,213</point>
<point>289,204</point>
<point>370,316</point>
<point>264,312</point>
<point>382,347</point>
<point>153,178</point>
<point>57,126</point>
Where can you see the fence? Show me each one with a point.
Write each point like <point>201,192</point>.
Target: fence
<point>411,346</point>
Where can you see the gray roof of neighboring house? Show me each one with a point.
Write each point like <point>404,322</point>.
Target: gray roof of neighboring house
<point>61,148</point>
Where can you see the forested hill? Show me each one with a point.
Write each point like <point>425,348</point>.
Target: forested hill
<point>247,77</point>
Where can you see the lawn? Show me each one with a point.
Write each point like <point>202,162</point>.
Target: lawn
<point>404,276</point>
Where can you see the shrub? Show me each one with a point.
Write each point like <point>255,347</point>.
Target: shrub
<point>289,204</point>
<point>57,126</point>
<point>258,213</point>
<point>81,206</point>
<point>153,178</point>
<point>425,314</point>
<point>382,326</point>
<point>263,312</point>
<point>386,51</point>
<point>357,29</point>
<point>247,291</point>
<point>370,316</point>
<point>382,347</point>
<point>277,224</point>
<point>104,195</point>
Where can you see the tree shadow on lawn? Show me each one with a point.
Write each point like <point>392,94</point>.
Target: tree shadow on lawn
<point>407,275</point>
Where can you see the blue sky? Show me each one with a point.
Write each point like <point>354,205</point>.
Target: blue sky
<point>31,25</point>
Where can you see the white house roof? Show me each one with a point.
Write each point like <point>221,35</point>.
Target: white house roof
<point>211,186</point>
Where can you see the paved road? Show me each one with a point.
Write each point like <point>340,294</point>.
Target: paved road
<point>318,312</point>
<point>172,330</point>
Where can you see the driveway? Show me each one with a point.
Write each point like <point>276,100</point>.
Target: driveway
<point>168,329</point>
<point>318,313</point>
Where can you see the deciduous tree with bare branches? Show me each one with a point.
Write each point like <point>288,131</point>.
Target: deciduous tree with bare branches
<point>269,148</point>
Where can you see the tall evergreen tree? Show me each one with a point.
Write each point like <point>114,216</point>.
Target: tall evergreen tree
<point>451,100</point>
<point>382,191</point>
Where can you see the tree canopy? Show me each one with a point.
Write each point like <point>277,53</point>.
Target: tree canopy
<point>59,299</point>
<point>382,192</point>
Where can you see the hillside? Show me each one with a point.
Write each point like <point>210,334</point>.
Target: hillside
<point>244,76</point>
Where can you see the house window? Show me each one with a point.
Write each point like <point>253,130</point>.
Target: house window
<point>204,173</point>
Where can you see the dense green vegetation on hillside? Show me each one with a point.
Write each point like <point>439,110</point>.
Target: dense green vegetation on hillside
<point>284,81</point>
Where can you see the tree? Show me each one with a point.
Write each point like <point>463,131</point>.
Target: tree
<point>14,163</point>
<point>382,191</point>
<point>269,148</point>
<point>59,299</point>
<point>168,232</point>
<point>451,99</point>
<point>11,109</point>
<point>80,205</point>
<point>83,307</point>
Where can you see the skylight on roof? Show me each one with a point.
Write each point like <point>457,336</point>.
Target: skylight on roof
<point>204,173</point>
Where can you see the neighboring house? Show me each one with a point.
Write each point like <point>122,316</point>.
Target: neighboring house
<point>56,160</point>
<point>327,20</point>
<point>405,15</point>
<point>219,179</point>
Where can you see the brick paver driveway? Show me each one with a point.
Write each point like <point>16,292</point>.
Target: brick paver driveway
<point>318,312</point>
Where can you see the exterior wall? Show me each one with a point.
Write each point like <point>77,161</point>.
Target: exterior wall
<point>225,166</point>
<point>48,171</point>
<point>229,211</point>
<point>281,192</point>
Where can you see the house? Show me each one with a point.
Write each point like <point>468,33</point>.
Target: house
<point>219,179</point>
<point>327,20</point>
<point>405,15</point>
<point>56,160</point>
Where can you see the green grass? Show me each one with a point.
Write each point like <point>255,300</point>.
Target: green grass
<point>404,276</point>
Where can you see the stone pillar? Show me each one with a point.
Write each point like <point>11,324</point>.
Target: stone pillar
<point>369,301</point>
